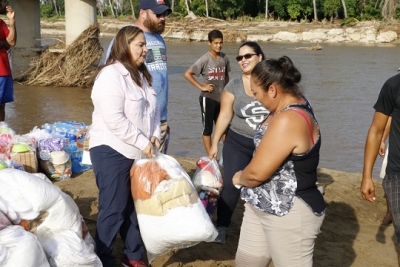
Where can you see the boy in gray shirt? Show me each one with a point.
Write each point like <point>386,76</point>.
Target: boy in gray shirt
<point>214,67</point>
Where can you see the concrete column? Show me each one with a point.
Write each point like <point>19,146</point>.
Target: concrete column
<point>27,17</point>
<point>79,15</point>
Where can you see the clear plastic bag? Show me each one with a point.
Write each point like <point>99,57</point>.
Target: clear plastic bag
<point>208,182</point>
<point>208,176</point>
<point>170,213</point>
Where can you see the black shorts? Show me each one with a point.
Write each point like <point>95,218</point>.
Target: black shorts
<point>209,113</point>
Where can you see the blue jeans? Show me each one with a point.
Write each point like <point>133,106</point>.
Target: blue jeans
<point>116,209</point>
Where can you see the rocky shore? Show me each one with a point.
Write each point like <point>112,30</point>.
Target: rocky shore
<point>367,32</point>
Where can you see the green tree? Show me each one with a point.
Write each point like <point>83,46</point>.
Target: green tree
<point>278,7</point>
<point>299,8</point>
<point>331,7</point>
<point>353,8</point>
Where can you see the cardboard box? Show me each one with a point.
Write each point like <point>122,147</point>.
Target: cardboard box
<point>26,159</point>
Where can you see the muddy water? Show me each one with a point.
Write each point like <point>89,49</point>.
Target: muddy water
<point>341,81</point>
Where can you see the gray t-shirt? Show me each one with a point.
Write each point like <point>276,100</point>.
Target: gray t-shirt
<point>213,71</point>
<point>248,112</point>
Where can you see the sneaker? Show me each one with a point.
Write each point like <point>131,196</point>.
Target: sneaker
<point>221,235</point>
<point>132,263</point>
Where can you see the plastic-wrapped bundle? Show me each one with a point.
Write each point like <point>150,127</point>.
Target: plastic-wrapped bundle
<point>170,214</point>
<point>20,248</point>
<point>4,221</point>
<point>208,181</point>
<point>66,248</point>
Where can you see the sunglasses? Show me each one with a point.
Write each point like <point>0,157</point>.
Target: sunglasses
<point>246,56</point>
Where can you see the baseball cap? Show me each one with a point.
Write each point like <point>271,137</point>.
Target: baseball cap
<point>157,6</point>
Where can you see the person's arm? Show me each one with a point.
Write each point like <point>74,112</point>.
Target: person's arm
<point>286,134</point>
<point>108,51</point>
<point>382,148</point>
<point>372,144</point>
<point>224,118</point>
<point>189,75</point>
<point>12,35</point>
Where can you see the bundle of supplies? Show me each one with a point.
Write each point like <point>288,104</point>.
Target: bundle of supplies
<point>17,151</point>
<point>208,182</point>
<point>21,248</point>
<point>170,214</point>
<point>41,208</point>
<point>72,135</point>
<point>54,160</point>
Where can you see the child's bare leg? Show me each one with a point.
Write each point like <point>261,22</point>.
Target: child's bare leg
<point>387,219</point>
<point>207,143</point>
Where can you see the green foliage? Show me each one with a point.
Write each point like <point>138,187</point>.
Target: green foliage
<point>300,8</point>
<point>294,10</point>
<point>46,11</point>
<point>349,22</point>
<point>370,12</point>
<point>353,8</point>
<point>61,6</point>
<point>234,9</point>
<point>278,6</point>
<point>331,7</point>
<point>260,16</point>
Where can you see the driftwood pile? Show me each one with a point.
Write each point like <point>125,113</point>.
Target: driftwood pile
<point>73,66</point>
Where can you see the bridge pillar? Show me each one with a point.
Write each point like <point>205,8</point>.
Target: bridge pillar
<point>79,15</point>
<point>27,17</point>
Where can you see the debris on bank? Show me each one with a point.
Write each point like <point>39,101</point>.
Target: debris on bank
<point>311,48</point>
<point>73,66</point>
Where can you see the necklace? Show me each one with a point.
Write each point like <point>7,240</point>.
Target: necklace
<point>276,113</point>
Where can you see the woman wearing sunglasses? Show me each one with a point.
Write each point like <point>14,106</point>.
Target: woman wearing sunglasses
<point>239,115</point>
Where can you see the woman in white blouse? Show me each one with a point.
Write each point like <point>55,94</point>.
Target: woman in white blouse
<point>125,125</point>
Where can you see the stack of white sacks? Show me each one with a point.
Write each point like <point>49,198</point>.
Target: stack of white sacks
<point>40,225</point>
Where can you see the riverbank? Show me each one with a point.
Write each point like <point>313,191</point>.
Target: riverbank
<point>366,32</point>
<point>350,236</point>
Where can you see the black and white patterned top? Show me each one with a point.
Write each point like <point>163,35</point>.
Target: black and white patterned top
<point>296,176</point>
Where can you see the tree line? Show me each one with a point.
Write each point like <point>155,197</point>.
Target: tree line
<point>294,10</point>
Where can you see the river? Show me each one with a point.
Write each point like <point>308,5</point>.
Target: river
<point>342,81</point>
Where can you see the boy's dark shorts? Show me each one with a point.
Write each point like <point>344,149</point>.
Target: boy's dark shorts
<point>209,113</point>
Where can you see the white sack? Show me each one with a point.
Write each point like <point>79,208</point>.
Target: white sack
<point>4,221</point>
<point>24,195</point>
<point>63,214</point>
<point>66,249</point>
<point>20,248</point>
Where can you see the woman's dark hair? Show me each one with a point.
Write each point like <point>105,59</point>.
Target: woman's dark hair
<point>256,48</point>
<point>280,71</point>
<point>120,52</point>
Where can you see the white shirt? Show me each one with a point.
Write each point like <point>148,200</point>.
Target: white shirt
<point>125,116</point>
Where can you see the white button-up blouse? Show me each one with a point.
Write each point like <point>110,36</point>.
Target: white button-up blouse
<point>125,116</point>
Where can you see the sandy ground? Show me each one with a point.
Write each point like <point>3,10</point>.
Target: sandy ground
<point>351,234</point>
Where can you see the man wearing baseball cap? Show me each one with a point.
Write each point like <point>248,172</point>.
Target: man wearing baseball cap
<point>151,20</point>
<point>157,6</point>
